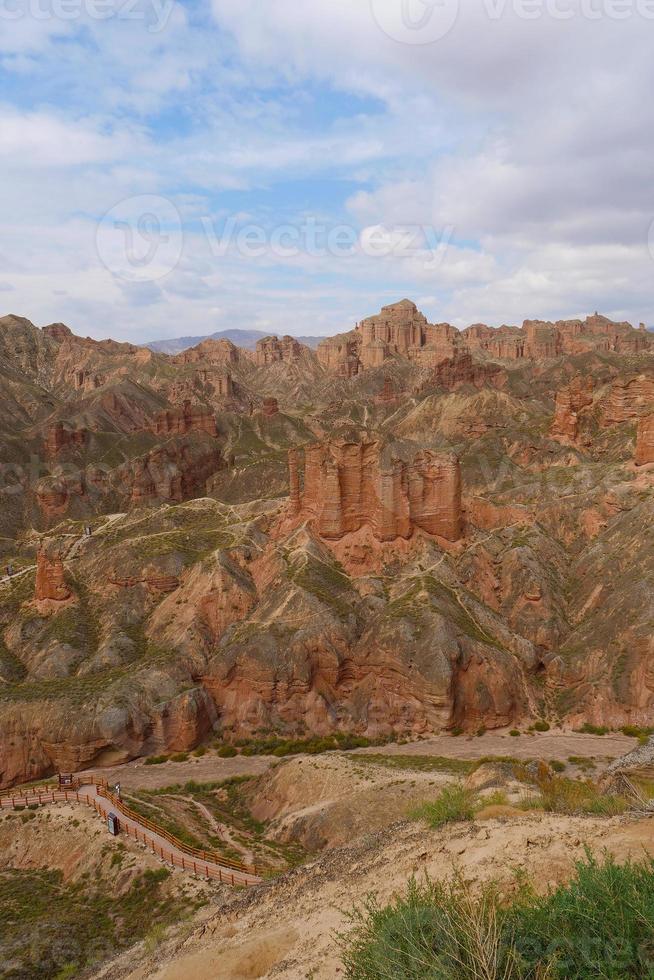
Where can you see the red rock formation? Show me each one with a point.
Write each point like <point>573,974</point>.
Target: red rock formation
<point>57,438</point>
<point>181,421</point>
<point>388,395</point>
<point>272,349</point>
<point>50,577</point>
<point>173,473</point>
<point>645,441</point>
<point>58,331</point>
<point>87,380</point>
<point>152,581</point>
<point>488,516</point>
<point>270,407</point>
<point>400,329</point>
<point>569,403</point>
<point>539,340</point>
<point>629,398</point>
<point>462,370</point>
<point>350,484</point>
<point>506,343</point>
<point>338,355</point>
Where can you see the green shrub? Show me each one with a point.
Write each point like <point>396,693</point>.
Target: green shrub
<point>562,795</point>
<point>227,752</point>
<point>457,731</point>
<point>452,805</point>
<point>179,757</point>
<point>435,931</point>
<point>514,732</point>
<point>588,729</point>
<point>599,925</point>
<point>200,752</point>
<point>156,760</point>
<point>557,765</point>
<point>541,726</point>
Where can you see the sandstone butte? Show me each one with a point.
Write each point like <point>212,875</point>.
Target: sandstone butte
<point>411,528</point>
<point>348,484</point>
<point>50,582</point>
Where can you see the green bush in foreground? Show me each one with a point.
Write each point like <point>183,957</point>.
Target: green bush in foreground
<point>452,805</point>
<point>600,925</point>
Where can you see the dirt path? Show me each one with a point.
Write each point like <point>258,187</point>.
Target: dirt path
<point>223,831</point>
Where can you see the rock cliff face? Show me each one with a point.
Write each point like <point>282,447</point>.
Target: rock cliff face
<point>58,438</point>
<point>210,352</point>
<point>349,484</point>
<point>270,407</point>
<point>645,441</point>
<point>628,399</point>
<point>272,349</point>
<point>190,418</point>
<point>174,473</point>
<point>339,355</point>
<point>462,370</point>
<point>541,340</point>
<point>50,581</point>
<point>570,401</point>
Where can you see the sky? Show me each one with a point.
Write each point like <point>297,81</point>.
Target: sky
<point>178,168</point>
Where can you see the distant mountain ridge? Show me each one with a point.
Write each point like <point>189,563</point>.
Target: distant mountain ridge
<point>242,338</point>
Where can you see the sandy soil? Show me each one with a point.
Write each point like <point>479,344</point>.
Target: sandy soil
<point>285,930</point>
<point>208,768</point>
<point>545,745</point>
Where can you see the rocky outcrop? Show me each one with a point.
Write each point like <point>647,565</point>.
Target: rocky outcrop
<point>460,370</point>
<point>543,340</point>
<point>349,484</point>
<point>645,441</point>
<point>50,576</point>
<point>388,395</point>
<point>58,332</point>
<point>570,401</point>
<point>339,355</point>
<point>400,329</point>
<point>211,352</point>
<point>176,472</point>
<point>270,407</point>
<point>505,343</point>
<point>628,398</point>
<point>272,349</point>
<point>58,437</point>
<point>181,421</point>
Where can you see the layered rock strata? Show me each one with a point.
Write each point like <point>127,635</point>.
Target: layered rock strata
<point>569,403</point>
<point>342,486</point>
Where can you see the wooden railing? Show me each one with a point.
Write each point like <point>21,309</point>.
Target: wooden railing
<point>193,852</point>
<point>207,863</point>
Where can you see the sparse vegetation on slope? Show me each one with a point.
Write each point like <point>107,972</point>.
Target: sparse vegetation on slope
<point>599,925</point>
